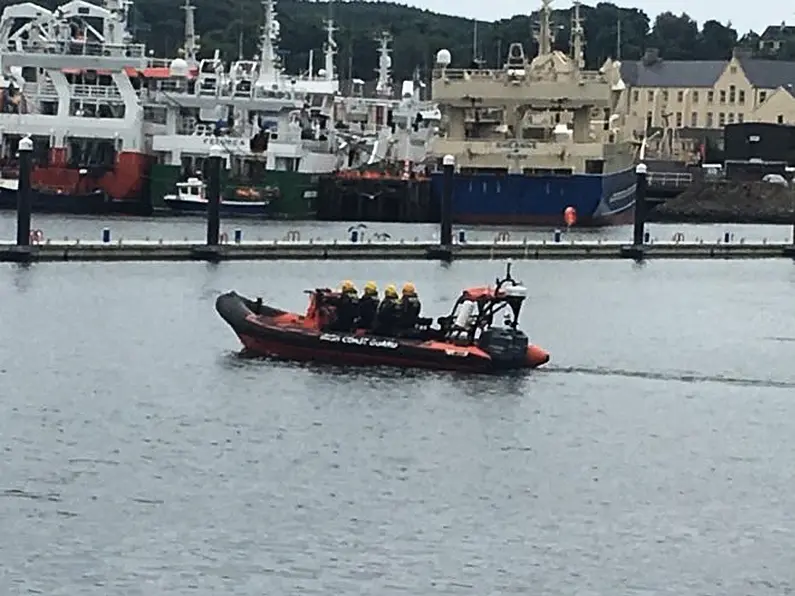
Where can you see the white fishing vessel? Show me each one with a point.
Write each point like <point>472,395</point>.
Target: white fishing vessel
<point>70,81</point>
<point>275,130</point>
<point>388,127</point>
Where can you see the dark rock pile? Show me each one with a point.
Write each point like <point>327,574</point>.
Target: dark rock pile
<point>729,202</point>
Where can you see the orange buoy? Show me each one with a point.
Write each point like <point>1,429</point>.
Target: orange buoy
<point>570,216</point>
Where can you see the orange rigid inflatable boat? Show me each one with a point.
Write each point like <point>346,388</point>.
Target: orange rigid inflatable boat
<point>465,340</point>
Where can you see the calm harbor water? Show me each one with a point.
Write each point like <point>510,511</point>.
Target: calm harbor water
<point>142,456</point>
<point>59,227</point>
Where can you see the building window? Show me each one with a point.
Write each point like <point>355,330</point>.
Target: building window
<point>731,117</point>
<point>740,118</point>
<point>636,96</point>
<point>780,119</point>
<point>695,96</point>
<point>694,119</point>
<point>721,119</point>
<point>710,122</point>
<point>679,120</point>
<point>741,96</point>
<point>680,96</point>
<point>732,94</point>
<point>723,95</point>
<point>665,95</point>
<point>649,120</point>
<point>762,96</point>
<point>733,69</point>
<point>710,96</point>
<point>650,96</point>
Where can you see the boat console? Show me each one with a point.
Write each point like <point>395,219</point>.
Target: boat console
<point>471,321</point>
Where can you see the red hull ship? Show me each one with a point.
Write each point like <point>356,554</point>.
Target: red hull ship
<point>465,340</point>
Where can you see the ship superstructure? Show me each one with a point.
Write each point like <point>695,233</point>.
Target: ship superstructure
<point>535,136</point>
<point>71,82</point>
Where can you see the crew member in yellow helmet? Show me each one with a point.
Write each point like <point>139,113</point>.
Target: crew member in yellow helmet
<point>387,316</point>
<point>368,306</point>
<point>347,307</point>
<point>410,307</point>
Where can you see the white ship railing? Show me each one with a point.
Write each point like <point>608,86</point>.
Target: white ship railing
<point>78,48</point>
<point>95,91</point>
<point>455,74</point>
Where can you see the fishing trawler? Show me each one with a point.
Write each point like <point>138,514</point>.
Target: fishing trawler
<point>276,131</point>
<point>393,135</point>
<point>535,137</point>
<point>72,87</point>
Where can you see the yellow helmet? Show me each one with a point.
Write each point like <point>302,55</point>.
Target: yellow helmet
<point>409,289</point>
<point>370,288</point>
<point>347,286</point>
<point>390,291</point>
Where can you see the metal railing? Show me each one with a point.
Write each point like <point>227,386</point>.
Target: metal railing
<point>670,179</point>
<point>79,48</point>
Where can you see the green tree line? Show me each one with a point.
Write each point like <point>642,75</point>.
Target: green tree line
<point>233,26</point>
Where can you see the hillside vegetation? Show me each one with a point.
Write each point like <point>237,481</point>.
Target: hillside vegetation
<point>229,25</point>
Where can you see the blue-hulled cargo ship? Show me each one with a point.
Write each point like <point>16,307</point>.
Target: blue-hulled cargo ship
<point>606,199</point>
<point>536,137</point>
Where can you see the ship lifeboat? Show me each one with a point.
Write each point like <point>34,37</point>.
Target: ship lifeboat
<point>465,340</point>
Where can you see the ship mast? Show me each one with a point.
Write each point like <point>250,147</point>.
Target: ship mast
<point>114,30</point>
<point>268,67</point>
<point>544,35</point>
<point>191,45</point>
<point>329,50</point>
<point>577,41</point>
<point>382,87</point>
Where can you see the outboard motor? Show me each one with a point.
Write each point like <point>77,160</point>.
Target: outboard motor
<point>507,347</point>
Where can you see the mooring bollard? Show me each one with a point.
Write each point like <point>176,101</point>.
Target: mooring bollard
<point>462,237</point>
<point>105,234</point>
<point>556,236</point>
<point>726,237</point>
<point>238,236</point>
<point>354,235</point>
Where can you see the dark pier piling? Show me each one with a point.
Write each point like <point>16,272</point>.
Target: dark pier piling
<point>642,184</point>
<point>23,191</point>
<point>446,218</point>
<point>214,195</point>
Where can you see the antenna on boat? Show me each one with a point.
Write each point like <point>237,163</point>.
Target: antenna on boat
<point>270,28</point>
<point>577,38</point>
<point>330,48</point>
<point>544,35</point>
<point>191,45</point>
<point>384,64</point>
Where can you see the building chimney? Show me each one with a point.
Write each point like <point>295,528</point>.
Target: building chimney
<point>651,56</point>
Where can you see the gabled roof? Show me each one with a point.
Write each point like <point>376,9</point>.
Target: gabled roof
<point>777,32</point>
<point>765,74</point>
<point>768,74</point>
<point>679,73</point>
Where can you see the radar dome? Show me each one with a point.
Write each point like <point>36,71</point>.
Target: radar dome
<point>443,57</point>
<point>179,68</point>
<point>321,72</point>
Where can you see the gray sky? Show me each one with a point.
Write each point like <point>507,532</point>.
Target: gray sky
<point>743,15</point>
